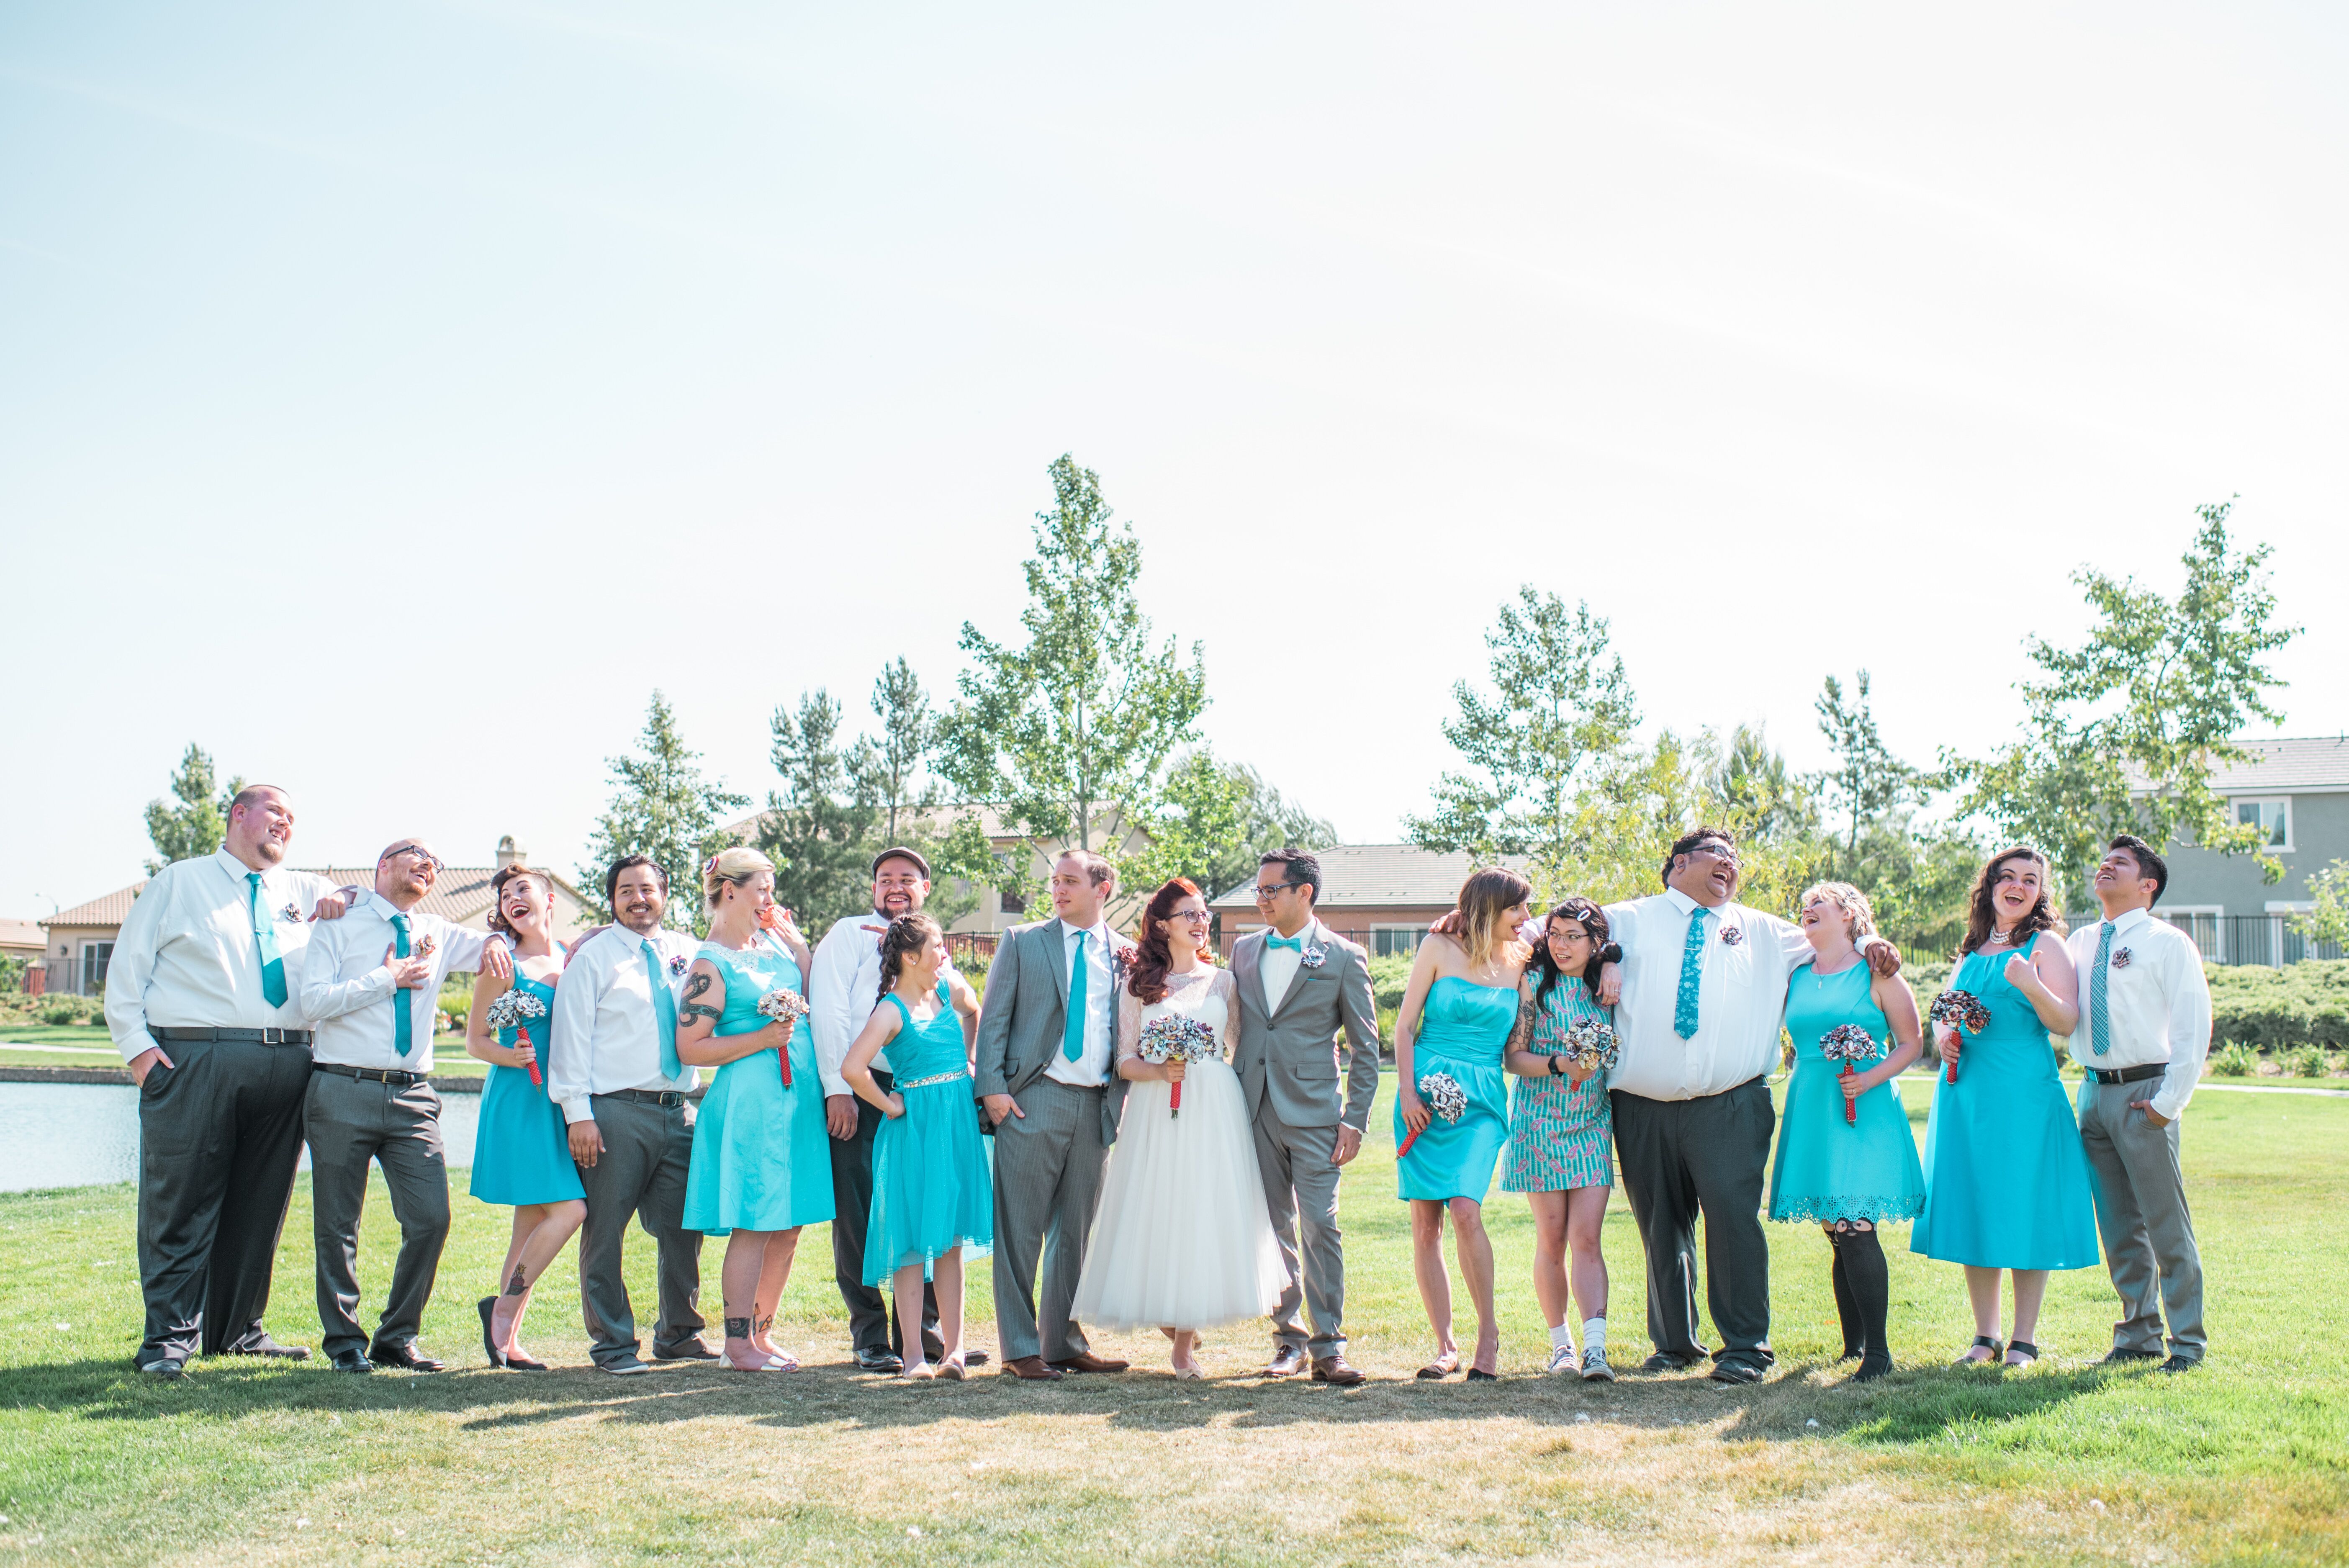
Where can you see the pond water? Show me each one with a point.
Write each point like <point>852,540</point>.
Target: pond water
<point>87,1135</point>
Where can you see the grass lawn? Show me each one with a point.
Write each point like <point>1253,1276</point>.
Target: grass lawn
<point>2245,1460</point>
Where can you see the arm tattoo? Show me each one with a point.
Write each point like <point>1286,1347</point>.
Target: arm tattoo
<point>697,985</point>
<point>693,1009</point>
<point>1521,1035</point>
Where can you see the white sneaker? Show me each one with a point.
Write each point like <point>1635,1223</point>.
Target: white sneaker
<point>1594,1365</point>
<point>1561,1358</point>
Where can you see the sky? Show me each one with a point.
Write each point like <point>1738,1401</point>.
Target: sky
<point>392,397</point>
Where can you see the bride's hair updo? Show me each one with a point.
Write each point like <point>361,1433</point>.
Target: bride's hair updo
<point>1153,951</point>
<point>901,943</point>
<point>736,866</point>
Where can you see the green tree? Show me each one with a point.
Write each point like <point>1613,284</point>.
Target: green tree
<point>1868,783</point>
<point>198,826</point>
<point>818,828</point>
<point>2328,919</point>
<point>663,808</point>
<point>1756,789</point>
<point>1561,710</point>
<point>1075,728</point>
<point>2124,733</point>
<point>1213,819</point>
<point>909,732</point>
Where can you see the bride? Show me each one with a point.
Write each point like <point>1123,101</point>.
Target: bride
<point>1181,1239</point>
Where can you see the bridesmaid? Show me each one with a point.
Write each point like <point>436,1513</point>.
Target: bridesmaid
<point>1562,1135</point>
<point>1459,1010</point>
<point>1849,1177</point>
<point>522,1154</point>
<point>933,1190</point>
<point>761,1159</point>
<point>2006,1183</point>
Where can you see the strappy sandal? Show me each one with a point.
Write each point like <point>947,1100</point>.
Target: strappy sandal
<point>1441,1368</point>
<point>2024,1348</point>
<point>1982,1341</point>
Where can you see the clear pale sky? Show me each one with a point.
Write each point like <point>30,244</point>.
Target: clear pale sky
<point>391,397</point>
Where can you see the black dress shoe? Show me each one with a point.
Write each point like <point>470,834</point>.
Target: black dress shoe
<point>267,1346</point>
<point>1665,1361</point>
<point>974,1358</point>
<point>1735,1372</point>
<point>2119,1357</point>
<point>404,1358</point>
<point>167,1369</point>
<point>351,1361</point>
<point>685,1350</point>
<point>880,1361</point>
<point>2181,1364</point>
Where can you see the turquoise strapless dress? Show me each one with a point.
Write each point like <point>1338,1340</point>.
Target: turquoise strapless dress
<point>2006,1179</point>
<point>1463,1030</point>
<point>522,1152</point>
<point>933,1188</point>
<point>1828,1169</point>
<point>761,1157</point>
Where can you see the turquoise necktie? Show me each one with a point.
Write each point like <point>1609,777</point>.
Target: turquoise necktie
<point>1295,944</point>
<point>2100,1022</point>
<point>264,936</point>
<point>1691,975</point>
<point>1072,1032</point>
<point>403,1020</point>
<point>664,1012</point>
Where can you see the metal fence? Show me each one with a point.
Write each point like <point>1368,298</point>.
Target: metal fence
<point>2267,939</point>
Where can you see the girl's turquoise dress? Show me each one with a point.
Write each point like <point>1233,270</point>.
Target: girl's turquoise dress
<point>1463,1030</point>
<point>761,1157</point>
<point>933,1190</point>
<point>521,1152</point>
<point>1561,1133</point>
<point>2007,1180</point>
<point>1827,1168</point>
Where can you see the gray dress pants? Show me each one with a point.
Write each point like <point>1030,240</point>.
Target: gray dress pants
<point>1300,1183</point>
<point>351,1123</point>
<point>641,1174</point>
<point>1048,1176</point>
<point>1701,1156</point>
<point>2141,1215</point>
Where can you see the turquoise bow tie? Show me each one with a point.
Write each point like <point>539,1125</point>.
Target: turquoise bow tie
<point>1294,944</point>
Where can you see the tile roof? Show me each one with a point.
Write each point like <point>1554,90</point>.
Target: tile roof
<point>110,911</point>
<point>2284,766</point>
<point>22,934</point>
<point>1374,876</point>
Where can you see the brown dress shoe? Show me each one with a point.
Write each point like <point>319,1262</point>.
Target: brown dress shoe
<point>1287,1361</point>
<point>1029,1368</point>
<point>1086,1361</point>
<point>1333,1369</point>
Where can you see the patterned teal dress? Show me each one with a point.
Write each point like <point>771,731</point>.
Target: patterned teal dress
<point>1561,1133</point>
<point>1463,1030</point>
<point>522,1152</point>
<point>761,1157</point>
<point>933,1188</point>
<point>1828,1169</point>
<point>2006,1177</point>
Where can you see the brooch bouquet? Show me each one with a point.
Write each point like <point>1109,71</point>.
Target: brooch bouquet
<point>1961,1013</point>
<point>515,1011</point>
<point>1444,1097</point>
<point>1177,1039</point>
<point>1849,1045</point>
<point>783,1007</point>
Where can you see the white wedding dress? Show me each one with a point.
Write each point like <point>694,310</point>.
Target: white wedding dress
<point>1181,1238</point>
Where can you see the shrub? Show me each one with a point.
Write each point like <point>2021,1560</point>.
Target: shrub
<point>2235,1060</point>
<point>2307,1062</point>
<point>1389,974</point>
<point>64,1010</point>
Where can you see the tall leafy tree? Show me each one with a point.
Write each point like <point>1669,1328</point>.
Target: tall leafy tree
<point>1915,876</point>
<point>1213,819</point>
<point>198,824</point>
<point>1868,783</point>
<point>818,828</point>
<point>1755,786</point>
<point>661,807</point>
<point>1072,730</point>
<point>908,734</point>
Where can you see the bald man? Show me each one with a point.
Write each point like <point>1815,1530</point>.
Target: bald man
<point>372,984</point>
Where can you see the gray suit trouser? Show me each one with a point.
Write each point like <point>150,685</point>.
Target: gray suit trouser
<point>352,1122</point>
<point>1301,1182</point>
<point>2141,1214</point>
<point>641,1172</point>
<point>1047,1177</point>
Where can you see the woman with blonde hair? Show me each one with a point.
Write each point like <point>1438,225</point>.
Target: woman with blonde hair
<point>1459,1009</point>
<point>761,1162</point>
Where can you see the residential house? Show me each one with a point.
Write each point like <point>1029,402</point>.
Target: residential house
<point>1383,896</point>
<point>2296,792</point>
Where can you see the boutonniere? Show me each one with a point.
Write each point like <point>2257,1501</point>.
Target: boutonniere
<point>290,912</point>
<point>1313,957</point>
<point>424,949</point>
<point>1730,936</point>
<point>2121,959</point>
<point>676,964</point>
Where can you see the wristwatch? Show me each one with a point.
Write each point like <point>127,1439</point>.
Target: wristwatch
<point>1554,1068</point>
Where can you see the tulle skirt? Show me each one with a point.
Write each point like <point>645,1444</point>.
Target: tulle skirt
<point>1181,1238</point>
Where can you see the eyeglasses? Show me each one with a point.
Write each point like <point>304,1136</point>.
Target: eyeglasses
<point>424,860</point>
<point>1265,890</point>
<point>1190,916</point>
<point>1716,852</point>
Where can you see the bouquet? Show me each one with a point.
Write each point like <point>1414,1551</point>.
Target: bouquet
<point>1590,1044</point>
<point>783,1007</point>
<point>1445,1097</point>
<point>1960,1011</point>
<point>1850,1044</point>
<point>515,1011</point>
<point>1176,1039</point>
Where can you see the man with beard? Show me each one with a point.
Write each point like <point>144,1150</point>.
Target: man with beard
<point>843,988</point>
<point>612,1065</point>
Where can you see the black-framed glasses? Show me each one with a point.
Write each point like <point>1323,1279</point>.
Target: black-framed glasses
<point>1716,851</point>
<point>1265,891</point>
<point>1191,917</point>
<point>424,858</point>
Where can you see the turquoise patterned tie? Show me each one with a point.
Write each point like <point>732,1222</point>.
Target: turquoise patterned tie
<point>1691,975</point>
<point>664,1012</point>
<point>1072,1032</point>
<point>2100,1024</point>
<point>403,1022</point>
<point>264,936</point>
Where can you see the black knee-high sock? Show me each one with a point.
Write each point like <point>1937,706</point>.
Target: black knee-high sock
<point>1854,1339</point>
<point>1871,1289</point>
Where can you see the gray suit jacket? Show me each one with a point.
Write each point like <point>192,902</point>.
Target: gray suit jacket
<point>1288,1055</point>
<point>1020,1020</point>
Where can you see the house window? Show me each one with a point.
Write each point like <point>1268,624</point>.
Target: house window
<point>2271,817</point>
<point>94,957</point>
<point>1015,903</point>
<point>1386,940</point>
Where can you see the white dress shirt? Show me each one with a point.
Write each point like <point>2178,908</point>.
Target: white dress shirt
<point>187,957</point>
<point>346,990</point>
<point>1278,966</point>
<point>1741,996</point>
<point>843,988</point>
<point>605,1035</point>
<point>1090,1069</point>
<point>2157,1004</point>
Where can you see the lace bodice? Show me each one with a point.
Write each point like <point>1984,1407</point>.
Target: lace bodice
<point>1203,994</point>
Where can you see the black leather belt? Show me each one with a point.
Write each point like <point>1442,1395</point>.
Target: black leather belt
<point>667,1099</point>
<point>257,1037</point>
<point>2129,1075</point>
<point>371,1074</point>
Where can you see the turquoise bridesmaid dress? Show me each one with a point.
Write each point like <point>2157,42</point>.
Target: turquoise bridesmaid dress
<point>521,1152</point>
<point>933,1188</point>
<point>1463,1030</point>
<point>761,1157</point>
<point>1828,1169</point>
<point>2006,1179</point>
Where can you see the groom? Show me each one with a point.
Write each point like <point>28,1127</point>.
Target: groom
<point>1298,983</point>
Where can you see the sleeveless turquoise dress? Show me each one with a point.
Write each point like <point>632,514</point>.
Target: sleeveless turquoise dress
<point>1828,1169</point>
<point>761,1157</point>
<point>522,1152</point>
<point>1561,1133</point>
<point>1463,1030</point>
<point>2006,1178</point>
<point>933,1188</point>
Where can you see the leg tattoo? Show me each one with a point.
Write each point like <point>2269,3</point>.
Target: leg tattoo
<point>517,1285</point>
<point>738,1328</point>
